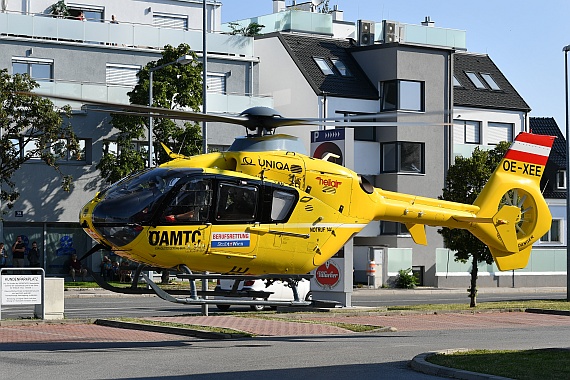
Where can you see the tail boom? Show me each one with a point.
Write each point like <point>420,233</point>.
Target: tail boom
<point>509,215</point>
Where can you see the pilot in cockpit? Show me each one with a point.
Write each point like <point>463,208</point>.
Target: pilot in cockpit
<point>191,204</point>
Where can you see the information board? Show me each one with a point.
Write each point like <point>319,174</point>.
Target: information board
<point>21,289</point>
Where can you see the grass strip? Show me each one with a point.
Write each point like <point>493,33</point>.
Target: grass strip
<point>505,305</point>
<point>541,364</point>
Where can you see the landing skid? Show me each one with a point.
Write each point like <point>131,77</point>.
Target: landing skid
<point>194,299</point>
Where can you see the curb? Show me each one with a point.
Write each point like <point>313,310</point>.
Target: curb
<point>420,364</point>
<point>168,330</point>
<point>548,311</point>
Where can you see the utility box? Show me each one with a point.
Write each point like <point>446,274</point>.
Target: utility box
<point>53,300</point>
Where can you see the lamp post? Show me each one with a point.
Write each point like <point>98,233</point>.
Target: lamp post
<point>566,49</point>
<point>184,60</point>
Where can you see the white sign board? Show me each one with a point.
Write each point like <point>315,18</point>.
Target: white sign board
<point>21,289</point>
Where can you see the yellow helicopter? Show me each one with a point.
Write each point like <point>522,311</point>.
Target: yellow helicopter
<point>261,208</point>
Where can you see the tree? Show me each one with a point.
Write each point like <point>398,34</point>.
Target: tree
<point>253,29</point>
<point>465,180</point>
<point>30,128</point>
<point>59,9</point>
<point>174,86</point>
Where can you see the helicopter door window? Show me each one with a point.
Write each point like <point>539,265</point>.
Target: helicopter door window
<point>236,203</point>
<point>191,204</point>
<point>281,205</point>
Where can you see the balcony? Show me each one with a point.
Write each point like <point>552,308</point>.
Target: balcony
<point>426,35</point>
<point>466,150</point>
<point>290,21</point>
<point>217,103</point>
<point>121,35</point>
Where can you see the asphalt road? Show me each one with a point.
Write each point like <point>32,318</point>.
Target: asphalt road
<point>137,306</point>
<point>358,356</point>
<point>372,355</point>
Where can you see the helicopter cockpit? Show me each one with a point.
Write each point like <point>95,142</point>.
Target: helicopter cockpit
<point>168,197</point>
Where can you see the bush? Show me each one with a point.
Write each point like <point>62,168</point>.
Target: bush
<point>406,279</point>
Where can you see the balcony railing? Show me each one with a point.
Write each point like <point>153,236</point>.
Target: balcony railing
<point>426,35</point>
<point>121,35</point>
<point>290,21</point>
<point>217,103</point>
<point>466,150</point>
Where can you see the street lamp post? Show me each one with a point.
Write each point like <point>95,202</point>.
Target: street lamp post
<point>184,60</point>
<point>566,49</point>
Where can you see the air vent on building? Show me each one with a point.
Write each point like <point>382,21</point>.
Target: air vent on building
<point>365,32</point>
<point>391,31</point>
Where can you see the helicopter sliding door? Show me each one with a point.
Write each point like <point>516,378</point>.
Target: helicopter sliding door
<point>236,209</point>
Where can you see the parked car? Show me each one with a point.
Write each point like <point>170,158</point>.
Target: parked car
<point>279,290</point>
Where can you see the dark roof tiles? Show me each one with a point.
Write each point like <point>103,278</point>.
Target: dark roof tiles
<point>470,96</point>
<point>303,49</point>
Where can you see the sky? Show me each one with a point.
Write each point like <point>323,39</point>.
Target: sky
<point>524,38</point>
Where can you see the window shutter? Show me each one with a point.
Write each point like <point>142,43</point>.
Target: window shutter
<point>122,75</point>
<point>216,83</point>
<point>497,132</point>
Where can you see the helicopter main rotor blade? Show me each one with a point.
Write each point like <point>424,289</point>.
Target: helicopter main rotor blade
<point>253,118</point>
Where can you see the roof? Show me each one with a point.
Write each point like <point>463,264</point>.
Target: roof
<point>470,96</point>
<point>557,158</point>
<point>548,126</point>
<point>303,49</point>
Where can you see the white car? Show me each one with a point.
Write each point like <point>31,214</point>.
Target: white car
<point>279,290</point>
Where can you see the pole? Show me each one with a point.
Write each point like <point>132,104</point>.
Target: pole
<point>183,60</point>
<point>150,120</point>
<point>565,50</point>
<point>204,76</point>
<point>204,110</point>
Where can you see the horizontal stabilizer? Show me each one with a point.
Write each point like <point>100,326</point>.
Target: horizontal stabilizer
<point>418,232</point>
<point>509,260</point>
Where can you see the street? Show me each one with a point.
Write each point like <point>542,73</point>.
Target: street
<point>103,304</point>
<point>97,352</point>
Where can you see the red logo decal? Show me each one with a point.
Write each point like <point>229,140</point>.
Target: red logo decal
<point>327,275</point>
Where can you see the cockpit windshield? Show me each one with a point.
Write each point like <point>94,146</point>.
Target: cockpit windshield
<point>133,201</point>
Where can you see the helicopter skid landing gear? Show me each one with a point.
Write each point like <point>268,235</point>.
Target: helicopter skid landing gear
<point>257,300</point>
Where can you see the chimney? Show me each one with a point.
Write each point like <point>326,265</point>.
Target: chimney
<point>336,14</point>
<point>428,22</point>
<point>278,6</point>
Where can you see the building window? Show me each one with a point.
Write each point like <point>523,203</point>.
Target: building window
<point>125,75</point>
<point>341,67</point>
<point>490,82</point>
<point>38,69</point>
<point>497,132</point>
<point>62,153</point>
<point>553,235</point>
<point>324,66</point>
<point>402,157</point>
<point>90,12</point>
<point>466,132</point>
<point>393,228</point>
<point>165,20</point>
<point>475,80</point>
<point>561,179</point>
<point>456,82</point>
<point>216,83</point>
<point>402,95</point>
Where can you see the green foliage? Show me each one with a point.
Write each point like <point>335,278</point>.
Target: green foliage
<point>59,9</point>
<point>406,279</point>
<point>31,128</point>
<point>253,29</point>
<point>465,180</point>
<point>174,86</point>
